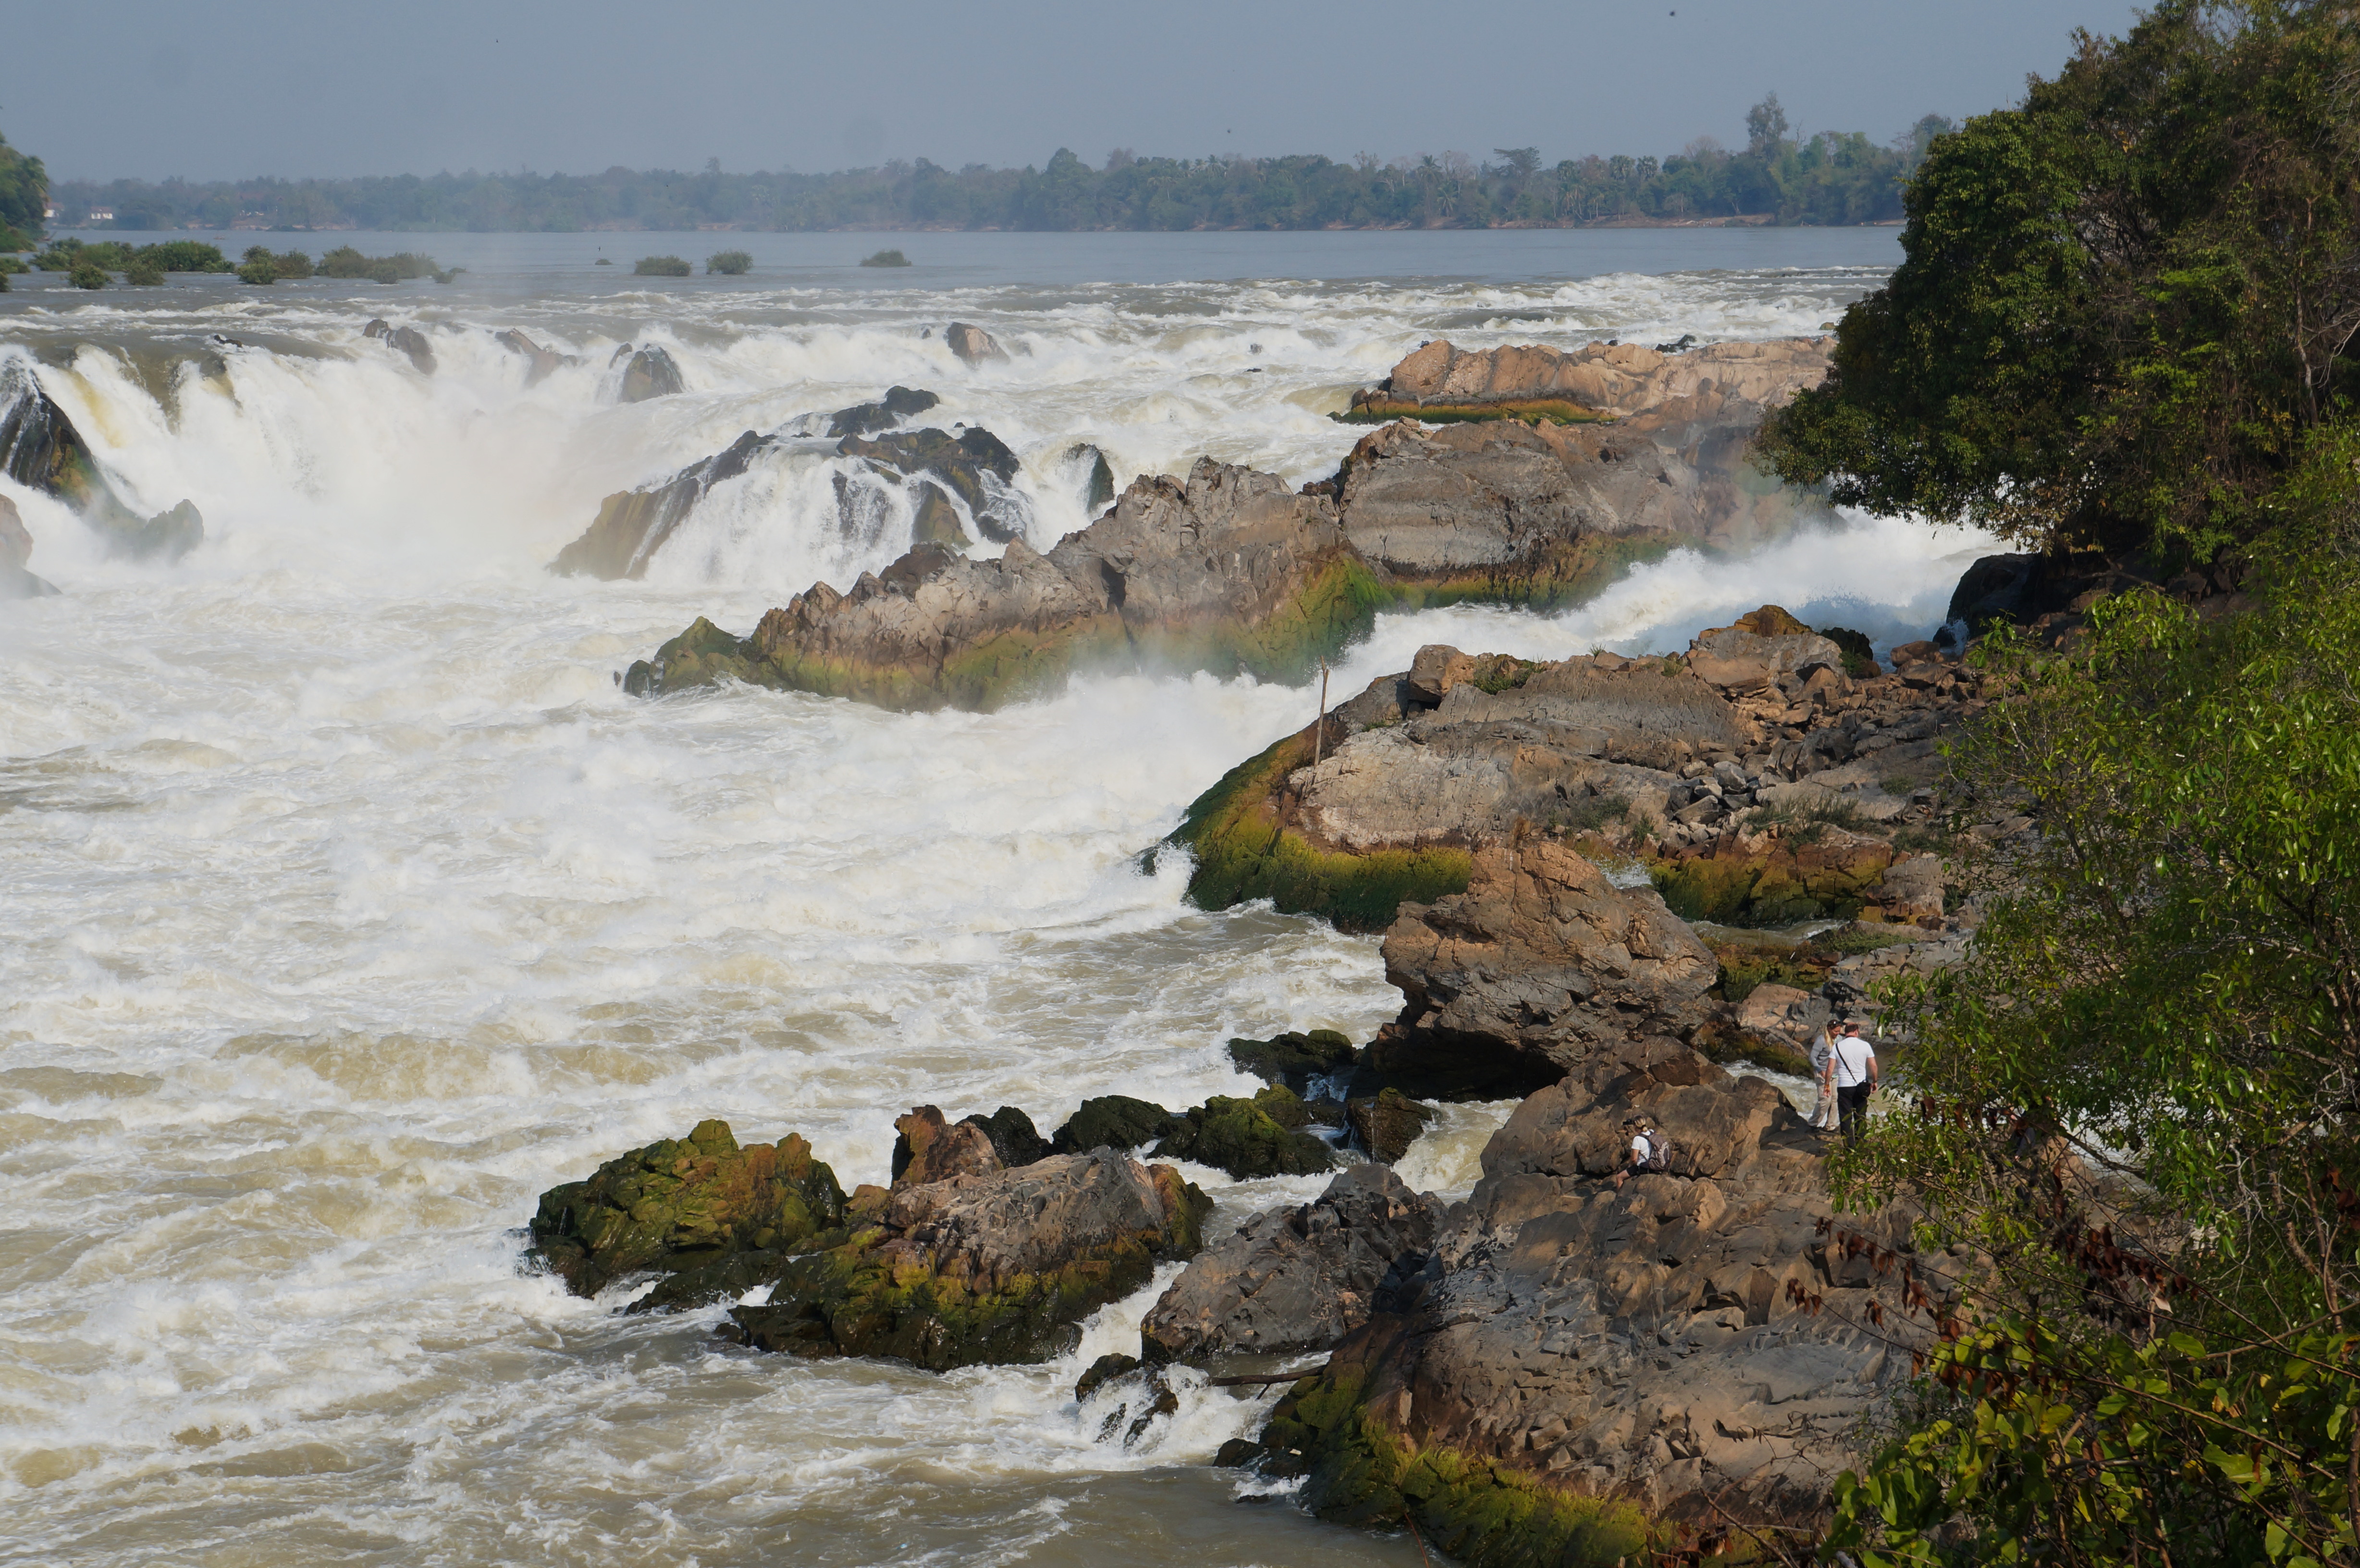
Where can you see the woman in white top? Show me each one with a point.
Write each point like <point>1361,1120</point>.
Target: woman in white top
<point>1823,1077</point>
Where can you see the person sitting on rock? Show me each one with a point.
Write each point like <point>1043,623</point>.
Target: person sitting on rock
<point>1640,1158</point>
<point>1855,1075</point>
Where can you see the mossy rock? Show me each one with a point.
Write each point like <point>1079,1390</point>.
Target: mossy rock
<point>1360,1472</point>
<point>883,1295</point>
<point>1387,1125</point>
<point>1292,1059</point>
<point>1113,1121</point>
<point>699,1206</point>
<point>1013,1136</point>
<point>1243,853</point>
<point>1260,1137</point>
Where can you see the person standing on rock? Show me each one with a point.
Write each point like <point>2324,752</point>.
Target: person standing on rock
<point>1641,1156</point>
<point>1823,1077</point>
<point>1854,1072</point>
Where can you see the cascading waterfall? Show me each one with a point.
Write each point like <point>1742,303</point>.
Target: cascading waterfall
<point>350,904</point>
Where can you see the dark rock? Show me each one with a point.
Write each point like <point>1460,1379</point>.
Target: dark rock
<point>1012,1134</point>
<point>1292,1278</point>
<point>632,525</point>
<point>650,374</point>
<point>1098,486</point>
<point>405,341</point>
<point>1103,1371</point>
<point>968,464</point>
<point>1387,1125</point>
<point>1247,1139</point>
<point>972,345</point>
<point>899,403</point>
<point>998,1265</point>
<point>686,1206</point>
<point>1237,1454</point>
<point>16,548</point>
<point>1113,1121</point>
<point>40,448</point>
<point>1293,1058</point>
<point>930,1149</point>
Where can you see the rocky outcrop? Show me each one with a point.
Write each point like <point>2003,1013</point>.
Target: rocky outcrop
<point>40,448</point>
<point>1581,1372</point>
<point>1756,777</point>
<point>632,525</point>
<point>1293,1278</point>
<point>999,1266</point>
<point>650,373</point>
<point>16,550</point>
<point>1621,381</point>
<point>972,345</point>
<point>897,404</point>
<point>1113,1121</point>
<point>931,1150</point>
<point>975,465</point>
<point>1291,1058</point>
<point>1246,1138</point>
<point>1226,571</point>
<point>407,342</point>
<point>539,363</point>
<point>1540,965</point>
<point>1385,1124</point>
<point>715,1217</point>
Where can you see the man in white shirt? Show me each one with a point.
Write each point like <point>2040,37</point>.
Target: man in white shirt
<point>1855,1075</point>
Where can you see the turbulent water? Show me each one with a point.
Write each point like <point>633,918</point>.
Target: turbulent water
<point>347,904</point>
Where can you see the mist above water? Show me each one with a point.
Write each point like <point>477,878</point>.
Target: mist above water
<point>351,906</point>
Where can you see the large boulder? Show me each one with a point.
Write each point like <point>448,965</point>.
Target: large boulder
<point>40,448</point>
<point>539,363</point>
<point>632,525</point>
<point>16,548</point>
<point>1763,651</point>
<point>928,1149</point>
<point>998,1265</point>
<point>1228,570</point>
<point>650,373</point>
<point>1260,1137</point>
<point>897,404</point>
<point>1580,1368</point>
<point>1293,1278</point>
<point>407,342</point>
<point>975,465</point>
<point>972,345</point>
<point>1113,1121</point>
<point>1540,965</point>
<point>716,1218</point>
<point>1614,380</point>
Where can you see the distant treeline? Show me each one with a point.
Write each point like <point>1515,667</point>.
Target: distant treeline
<point>1829,178</point>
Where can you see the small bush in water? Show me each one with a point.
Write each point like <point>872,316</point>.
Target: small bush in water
<point>730,263</point>
<point>143,273</point>
<point>88,275</point>
<point>346,261</point>
<point>885,258</point>
<point>662,266</point>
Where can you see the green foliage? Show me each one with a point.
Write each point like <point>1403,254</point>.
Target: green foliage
<point>345,261</point>
<point>142,274</point>
<point>885,258</point>
<point>2140,1098</point>
<point>660,266</point>
<point>2122,304</point>
<point>730,263</point>
<point>1832,178</point>
<point>13,264</point>
<point>87,274</point>
<point>24,193</point>
<point>262,270</point>
<point>182,255</point>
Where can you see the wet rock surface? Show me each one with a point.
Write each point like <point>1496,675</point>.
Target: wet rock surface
<point>16,548</point>
<point>1113,1121</point>
<point>1260,1137</point>
<point>539,363</point>
<point>632,525</point>
<point>716,1217</point>
<point>407,342</point>
<point>1293,1278</point>
<point>1228,570</point>
<point>972,345</point>
<point>649,372</point>
<point>995,1266</point>
<point>40,448</point>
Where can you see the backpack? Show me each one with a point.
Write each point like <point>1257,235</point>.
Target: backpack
<point>1659,1151</point>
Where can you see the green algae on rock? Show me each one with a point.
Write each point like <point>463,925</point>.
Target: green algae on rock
<point>1292,1059</point>
<point>700,1208</point>
<point>1113,1121</point>
<point>991,1268</point>
<point>1260,1137</point>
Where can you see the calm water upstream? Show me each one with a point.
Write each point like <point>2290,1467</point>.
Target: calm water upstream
<point>348,905</point>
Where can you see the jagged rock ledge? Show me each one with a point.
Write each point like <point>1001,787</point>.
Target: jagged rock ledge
<point>40,448</point>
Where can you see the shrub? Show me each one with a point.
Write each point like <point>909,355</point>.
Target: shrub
<point>885,258</point>
<point>262,271</point>
<point>603,261</point>
<point>662,266</point>
<point>182,255</point>
<point>291,264</point>
<point>143,273</point>
<point>346,261</point>
<point>88,275</point>
<point>730,263</point>
<point>13,264</point>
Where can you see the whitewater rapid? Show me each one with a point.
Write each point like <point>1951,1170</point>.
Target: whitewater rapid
<point>349,904</point>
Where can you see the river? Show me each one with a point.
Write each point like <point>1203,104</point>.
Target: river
<point>348,904</point>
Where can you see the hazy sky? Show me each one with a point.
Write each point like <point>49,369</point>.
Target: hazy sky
<point>298,87</point>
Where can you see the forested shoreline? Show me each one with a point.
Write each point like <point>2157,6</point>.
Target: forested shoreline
<point>1831,178</point>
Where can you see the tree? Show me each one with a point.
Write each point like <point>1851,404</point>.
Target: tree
<point>2121,306</point>
<point>24,193</point>
<point>2139,1103</point>
<point>1765,128</point>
